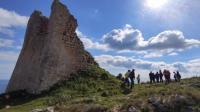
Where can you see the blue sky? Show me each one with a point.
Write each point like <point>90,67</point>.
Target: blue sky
<point>142,34</point>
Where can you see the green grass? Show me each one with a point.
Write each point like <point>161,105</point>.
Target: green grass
<point>95,88</point>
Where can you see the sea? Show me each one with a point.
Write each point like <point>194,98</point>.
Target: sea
<point>3,85</point>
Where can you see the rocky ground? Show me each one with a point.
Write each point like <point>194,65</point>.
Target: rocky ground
<point>96,90</point>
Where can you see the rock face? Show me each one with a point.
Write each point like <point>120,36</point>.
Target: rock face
<point>172,103</point>
<point>51,51</point>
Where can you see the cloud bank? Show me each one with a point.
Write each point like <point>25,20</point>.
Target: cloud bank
<point>167,42</point>
<point>9,48</point>
<point>125,39</point>
<point>188,69</point>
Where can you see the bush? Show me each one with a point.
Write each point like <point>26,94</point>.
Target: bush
<point>104,76</point>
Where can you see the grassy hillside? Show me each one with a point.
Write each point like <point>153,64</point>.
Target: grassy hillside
<point>95,90</point>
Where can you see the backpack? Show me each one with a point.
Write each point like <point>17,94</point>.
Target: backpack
<point>132,74</point>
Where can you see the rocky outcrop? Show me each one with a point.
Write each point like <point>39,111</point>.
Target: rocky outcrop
<point>51,51</point>
<point>172,103</point>
<point>48,109</point>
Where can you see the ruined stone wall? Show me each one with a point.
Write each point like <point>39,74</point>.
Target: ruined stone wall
<point>51,51</point>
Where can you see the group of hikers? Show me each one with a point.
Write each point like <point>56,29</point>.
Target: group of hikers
<point>129,75</point>
<point>158,77</point>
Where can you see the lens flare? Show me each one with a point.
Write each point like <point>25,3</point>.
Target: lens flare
<point>155,4</point>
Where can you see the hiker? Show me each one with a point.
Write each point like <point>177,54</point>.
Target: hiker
<point>175,76</point>
<point>138,78</point>
<point>178,76</point>
<point>161,76</point>
<point>167,76</point>
<point>132,77</point>
<point>157,77</point>
<point>151,77</point>
<point>126,79</point>
<point>154,77</point>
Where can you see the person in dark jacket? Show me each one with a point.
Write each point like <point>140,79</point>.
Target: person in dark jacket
<point>151,77</point>
<point>132,77</point>
<point>161,76</point>
<point>157,77</point>
<point>167,75</point>
<point>175,76</point>
<point>178,76</point>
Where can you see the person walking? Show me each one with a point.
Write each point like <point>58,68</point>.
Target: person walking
<point>151,76</point>
<point>167,75</point>
<point>161,76</point>
<point>138,78</point>
<point>126,79</point>
<point>178,76</point>
<point>175,76</point>
<point>132,77</point>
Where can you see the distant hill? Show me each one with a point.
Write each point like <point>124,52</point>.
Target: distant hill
<point>95,90</point>
<point>3,84</point>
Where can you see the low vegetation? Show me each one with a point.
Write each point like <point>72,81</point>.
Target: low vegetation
<point>96,90</point>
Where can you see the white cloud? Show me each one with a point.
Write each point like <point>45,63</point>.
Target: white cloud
<point>129,38</point>
<point>8,60</point>
<point>6,70</point>
<point>173,54</point>
<point>10,19</point>
<point>193,66</point>
<point>152,55</point>
<point>126,38</point>
<point>188,69</point>
<point>6,43</point>
<point>7,31</point>
<point>171,40</point>
<point>89,44</point>
<point>129,62</point>
<point>8,56</point>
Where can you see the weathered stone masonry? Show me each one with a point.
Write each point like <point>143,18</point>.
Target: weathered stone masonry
<point>50,53</point>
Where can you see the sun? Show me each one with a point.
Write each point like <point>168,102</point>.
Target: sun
<point>155,4</point>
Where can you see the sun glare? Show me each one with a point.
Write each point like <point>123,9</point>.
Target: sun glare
<point>155,4</point>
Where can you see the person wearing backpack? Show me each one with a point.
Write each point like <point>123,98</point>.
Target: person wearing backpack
<point>126,78</point>
<point>132,77</point>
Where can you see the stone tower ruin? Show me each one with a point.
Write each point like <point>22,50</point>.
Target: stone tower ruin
<point>51,51</point>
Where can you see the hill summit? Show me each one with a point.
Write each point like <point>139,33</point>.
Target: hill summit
<point>51,51</point>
